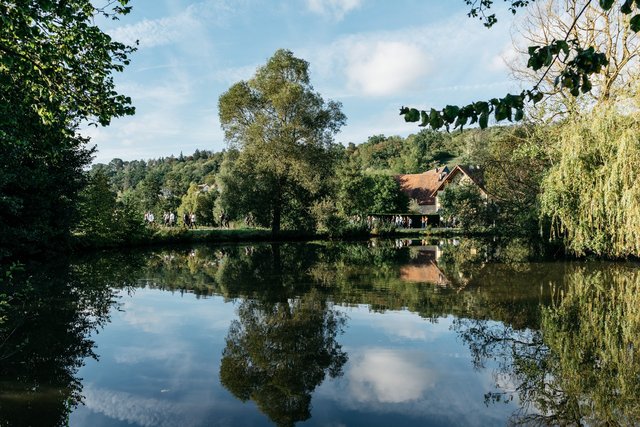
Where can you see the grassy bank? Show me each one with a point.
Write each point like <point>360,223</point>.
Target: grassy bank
<point>171,236</point>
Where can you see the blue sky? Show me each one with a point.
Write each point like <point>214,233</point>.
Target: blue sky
<point>372,55</point>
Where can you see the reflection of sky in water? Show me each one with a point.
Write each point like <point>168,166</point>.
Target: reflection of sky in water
<point>160,360</point>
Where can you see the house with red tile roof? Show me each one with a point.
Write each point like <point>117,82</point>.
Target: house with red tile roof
<point>465,175</point>
<point>421,187</point>
<point>425,187</point>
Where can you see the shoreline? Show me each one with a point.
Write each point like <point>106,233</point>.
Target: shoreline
<point>180,236</point>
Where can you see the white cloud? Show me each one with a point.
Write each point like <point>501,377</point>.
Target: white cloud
<point>410,60</point>
<point>333,8</point>
<point>181,26</point>
<point>151,33</point>
<point>389,376</point>
<point>385,68</point>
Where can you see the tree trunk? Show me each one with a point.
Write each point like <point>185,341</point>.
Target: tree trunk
<point>277,209</point>
<point>275,222</point>
<point>277,206</point>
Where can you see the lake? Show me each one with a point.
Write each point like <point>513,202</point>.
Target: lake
<point>375,333</point>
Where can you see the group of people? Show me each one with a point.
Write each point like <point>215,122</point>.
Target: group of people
<point>401,221</point>
<point>169,219</point>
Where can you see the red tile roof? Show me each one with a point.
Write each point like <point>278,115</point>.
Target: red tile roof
<point>421,186</point>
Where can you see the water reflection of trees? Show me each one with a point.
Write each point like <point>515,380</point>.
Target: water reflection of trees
<point>561,337</point>
<point>277,353</point>
<point>582,366</point>
<point>50,311</point>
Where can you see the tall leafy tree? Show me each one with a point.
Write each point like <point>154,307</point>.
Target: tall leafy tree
<point>283,131</point>
<point>56,72</point>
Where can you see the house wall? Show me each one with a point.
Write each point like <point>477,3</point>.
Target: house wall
<point>427,209</point>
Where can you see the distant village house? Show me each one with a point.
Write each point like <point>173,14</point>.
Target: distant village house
<point>425,187</point>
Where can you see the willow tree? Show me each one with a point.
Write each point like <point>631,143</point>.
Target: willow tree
<point>283,131</point>
<point>592,191</point>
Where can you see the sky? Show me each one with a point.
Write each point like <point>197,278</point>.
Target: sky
<point>373,56</point>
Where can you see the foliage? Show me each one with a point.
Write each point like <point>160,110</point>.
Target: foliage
<point>40,177</point>
<point>414,154</point>
<point>592,191</point>
<point>96,208</point>
<point>514,161</point>
<point>103,220</point>
<point>605,30</point>
<point>360,193</point>
<point>385,195</point>
<point>578,65</point>
<point>284,131</point>
<point>327,217</point>
<point>62,61</point>
<point>199,202</point>
<point>463,205</point>
<point>56,71</point>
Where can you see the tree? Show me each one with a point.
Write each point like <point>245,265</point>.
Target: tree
<point>386,196</point>
<point>96,208</point>
<point>283,131</point>
<point>360,193</point>
<point>61,61</point>
<point>591,192</point>
<point>198,202</point>
<point>463,205</point>
<point>606,30</point>
<point>578,66</point>
<point>56,71</point>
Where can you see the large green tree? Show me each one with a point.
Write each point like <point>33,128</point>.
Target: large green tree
<point>56,72</point>
<point>283,131</point>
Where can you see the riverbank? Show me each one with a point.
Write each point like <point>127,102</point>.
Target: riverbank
<point>170,236</point>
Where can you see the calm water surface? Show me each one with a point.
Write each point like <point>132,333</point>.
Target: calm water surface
<point>332,334</point>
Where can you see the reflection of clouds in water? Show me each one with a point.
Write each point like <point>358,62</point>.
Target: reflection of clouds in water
<point>133,409</point>
<point>145,318</point>
<point>156,312</point>
<point>441,388</point>
<point>401,324</point>
<point>133,355</point>
<point>389,376</point>
<point>407,325</point>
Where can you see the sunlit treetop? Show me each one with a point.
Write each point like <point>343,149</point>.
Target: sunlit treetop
<point>61,61</point>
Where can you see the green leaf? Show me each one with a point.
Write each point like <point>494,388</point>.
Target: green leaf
<point>606,4</point>
<point>634,23</point>
<point>451,112</point>
<point>586,84</point>
<point>410,115</point>
<point>519,115</point>
<point>425,118</point>
<point>626,7</point>
<point>483,121</point>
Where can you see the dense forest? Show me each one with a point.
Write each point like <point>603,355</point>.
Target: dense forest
<point>361,178</point>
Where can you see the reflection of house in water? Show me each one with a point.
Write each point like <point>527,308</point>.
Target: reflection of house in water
<point>424,267</point>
